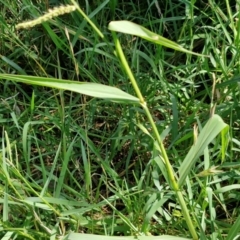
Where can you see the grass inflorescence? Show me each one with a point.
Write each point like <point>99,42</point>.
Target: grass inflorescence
<point>55,12</point>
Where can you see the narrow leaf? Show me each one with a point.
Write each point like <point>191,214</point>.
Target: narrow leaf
<point>91,89</point>
<point>213,127</point>
<point>234,80</point>
<point>13,64</point>
<point>234,230</point>
<point>77,236</point>
<point>228,188</point>
<point>137,30</point>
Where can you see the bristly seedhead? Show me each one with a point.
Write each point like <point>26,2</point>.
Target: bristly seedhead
<point>57,11</point>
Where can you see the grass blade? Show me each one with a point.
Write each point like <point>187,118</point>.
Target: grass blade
<point>137,30</point>
<point>76,236</point>
<point>91,89</point>
<point>213,127</point>
<point>234,230</point>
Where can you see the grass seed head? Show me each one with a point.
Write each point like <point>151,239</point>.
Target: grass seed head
<point>49,15</point>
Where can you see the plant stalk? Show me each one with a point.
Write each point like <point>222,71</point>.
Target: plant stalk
<point>168,165</point>
<point>88,19</point>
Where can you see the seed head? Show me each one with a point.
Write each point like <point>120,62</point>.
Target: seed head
<point>57,11</point>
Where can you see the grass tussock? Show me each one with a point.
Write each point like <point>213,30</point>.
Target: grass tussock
<point>112,129</point>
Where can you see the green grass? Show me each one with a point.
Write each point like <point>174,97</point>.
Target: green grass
<point>75,163</point>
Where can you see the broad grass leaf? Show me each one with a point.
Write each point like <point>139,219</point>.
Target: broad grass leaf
<point>91,89</point>
<point>137,30</point>
<point>77,236</point>
<point>213,127</point>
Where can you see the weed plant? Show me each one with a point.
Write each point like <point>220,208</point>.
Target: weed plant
<point>110,131</point>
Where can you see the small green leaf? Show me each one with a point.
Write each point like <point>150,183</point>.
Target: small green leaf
<point>225,141</point>
<point>13,64</point>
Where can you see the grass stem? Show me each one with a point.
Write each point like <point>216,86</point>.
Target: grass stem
<point>170,171</point>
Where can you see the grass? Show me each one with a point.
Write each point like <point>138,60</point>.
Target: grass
<point>73,165</point>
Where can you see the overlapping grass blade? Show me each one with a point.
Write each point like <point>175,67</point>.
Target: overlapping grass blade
<point>234,230</point>
<point>233,81</point>
<point>213,127</point>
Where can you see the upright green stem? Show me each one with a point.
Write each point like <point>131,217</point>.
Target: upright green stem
<point>174,184</point>
<point>168,165</point>
<point>231,19</point>
<point>88,19</point>
<point>64,144</point>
